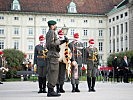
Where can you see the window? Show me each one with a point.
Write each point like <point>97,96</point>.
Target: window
<point>113,30</point>
<point>30,31</point>
<point>1,17</point>
<point>85,21</point>
<point>110,31</point>
<point>30,56</point>
<point>117,17</point>
<point>1,31</point>
<point>126,43</point>
<point>15,5</point>
<point>100,21</point>
<point>117,44</point>
<point>121,43</point>
<point>117,29</point>
<point>44,31</point>
<point>113,18</point>
<point>30,45</point>
<point>109,20</point>
<point>58,20</point>
<point>30,18</point>
<point>121,28</point>
<point>43,19</point>
<point>113,45</point>
<point>1,44</point>
<point>126,27</point>
<point>100,33</point>
<point>110,45</point>
<point>16,31</point>
<point>85,32</point>
<point>72,20</point>
<point>100,46</point>
<point>126,14</point>
<point>121,15</point>
<point>72,7</point>
<point>72,31</point>
<point>16,44</point>
<point>16,18</point>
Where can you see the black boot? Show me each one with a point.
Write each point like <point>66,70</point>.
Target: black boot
<point>61,89</point>
<point>52,93</point>
<point>73,87</point>
<point>93,84</point>
<point>89,83</point>
<point>57,88</point>
<point>1,83</point>
<point>44,85</point>
<point>40,81</point>
<point>77,89</point>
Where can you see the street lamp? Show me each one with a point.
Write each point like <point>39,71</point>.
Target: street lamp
<point>65,29</point>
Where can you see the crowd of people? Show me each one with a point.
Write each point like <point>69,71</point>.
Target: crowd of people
<point>121,69</point>
<point>57,46</point>
<point>57,58</point>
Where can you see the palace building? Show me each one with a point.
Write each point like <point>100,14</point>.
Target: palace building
<point>109,22</point>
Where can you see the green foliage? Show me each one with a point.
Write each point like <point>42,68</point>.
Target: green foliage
<point>120,55</point>
<point>14,60</point>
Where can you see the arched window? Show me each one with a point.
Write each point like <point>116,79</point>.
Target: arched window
<point>15,5</point>
<point>72,8</point>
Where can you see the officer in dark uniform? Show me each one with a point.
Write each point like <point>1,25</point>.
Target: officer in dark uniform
<point>92,64</point>
<point>52,43</point>
<point>76,48</point>
<point>40,60</point>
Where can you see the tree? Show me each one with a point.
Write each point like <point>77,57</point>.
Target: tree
<point>14,60</point>
<point>120,55</point>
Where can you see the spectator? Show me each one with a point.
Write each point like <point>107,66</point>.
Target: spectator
<point>125,66</point>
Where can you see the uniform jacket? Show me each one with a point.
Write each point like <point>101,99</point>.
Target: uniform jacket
<point>89,55</point>
<point>38,53</point>
<point>52,44</point>
<point>76,52</point>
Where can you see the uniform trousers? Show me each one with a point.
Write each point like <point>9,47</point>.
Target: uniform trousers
<point>62,72</point>
<point>53,71</point>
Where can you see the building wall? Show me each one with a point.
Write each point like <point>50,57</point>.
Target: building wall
<point>131,26</point>
<point>29,26</point>
<point>118,29</point>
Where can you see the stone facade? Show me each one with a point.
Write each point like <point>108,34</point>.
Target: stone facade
<point>131,25</point>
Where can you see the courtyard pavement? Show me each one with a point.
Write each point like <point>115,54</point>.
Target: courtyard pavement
<point>27,90</point>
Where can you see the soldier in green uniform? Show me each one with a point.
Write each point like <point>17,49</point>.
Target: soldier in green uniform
<point>52,43</point>
<point>92,64</point>
<point>40,61</point>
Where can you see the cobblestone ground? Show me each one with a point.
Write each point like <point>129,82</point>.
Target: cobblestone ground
<point>104,91</point>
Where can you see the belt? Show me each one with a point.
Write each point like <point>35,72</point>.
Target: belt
<point>77,54</point>
<point>91,59</point>
<point>41,57</point>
